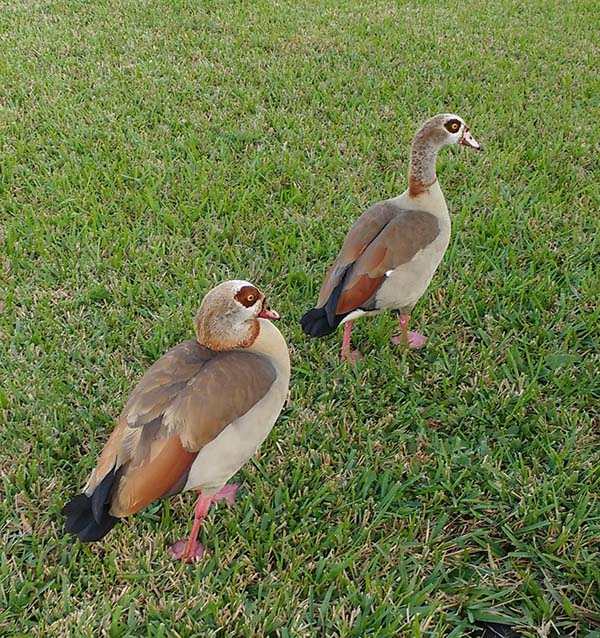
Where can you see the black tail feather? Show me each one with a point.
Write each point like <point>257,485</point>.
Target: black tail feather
<point>319,322</point>
<point>100,497</point>
<point>76,511</point>
<point>315,324</point>
<point>87,516</point>
<point>332,302</point>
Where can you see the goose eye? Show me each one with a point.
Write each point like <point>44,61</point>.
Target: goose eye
<point>251,297</point>
<point>453,126</point>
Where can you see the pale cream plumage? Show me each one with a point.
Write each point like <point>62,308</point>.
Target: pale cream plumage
<point>198,414</point>
<point>391,252</point>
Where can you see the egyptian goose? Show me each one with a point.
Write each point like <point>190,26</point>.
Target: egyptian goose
<point>392,250</point>
<point>196,416</point>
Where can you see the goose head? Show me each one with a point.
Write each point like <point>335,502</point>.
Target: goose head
<point>446,129</point>
<point>229,315</point>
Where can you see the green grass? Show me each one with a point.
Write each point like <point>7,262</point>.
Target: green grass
<point>152,149</point>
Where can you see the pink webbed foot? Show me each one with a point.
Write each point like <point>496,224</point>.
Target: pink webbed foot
<point>227,494</point>
<point>195,553</point>
<point>413,340</point>
<point>352,356</point>
<point>192,550</point>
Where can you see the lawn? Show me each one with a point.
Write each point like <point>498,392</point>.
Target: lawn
<point>150,149</point>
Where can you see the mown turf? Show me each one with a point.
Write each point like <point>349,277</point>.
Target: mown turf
<point>151,149</point>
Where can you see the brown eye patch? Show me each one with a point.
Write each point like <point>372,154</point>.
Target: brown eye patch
<point>247,295</point>
<point>453,126</point>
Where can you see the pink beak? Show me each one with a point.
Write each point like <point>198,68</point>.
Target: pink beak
<point>468,140</point>
<point>268,313</point>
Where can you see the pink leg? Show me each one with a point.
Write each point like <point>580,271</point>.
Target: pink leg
<point>191,549</point>
<point>346,352</point>
<point>414,340</point>
<point>226,493</point>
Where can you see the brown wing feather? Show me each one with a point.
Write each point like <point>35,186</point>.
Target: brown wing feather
<point>108,456</point>
<point>229,386</point>
<point>364,230</point>
<point>152,480</point>
<point>362,287</point>
<point>164,379</point>
<point>149,399</point>
<point>186,399</point>
<point>398,243</point>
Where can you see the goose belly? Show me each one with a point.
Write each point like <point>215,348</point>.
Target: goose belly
<point>405,285</point>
